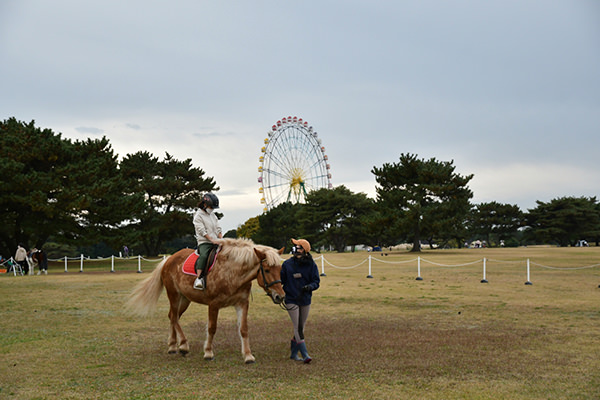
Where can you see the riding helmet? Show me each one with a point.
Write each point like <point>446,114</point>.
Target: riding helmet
<point>211,200</point>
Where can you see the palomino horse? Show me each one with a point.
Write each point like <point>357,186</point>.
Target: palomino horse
<point>238,263</point>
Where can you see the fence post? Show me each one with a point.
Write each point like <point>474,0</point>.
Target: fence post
<point>139,264</point>
<point>81,263</point>
<point>112,263</point>
<point>323,265</point>
<point>66,264</point>
<point>419,269</point>
<point>370,275</point>
<point>14,267</point>
<point>528,276</point>
<point>484,280</point>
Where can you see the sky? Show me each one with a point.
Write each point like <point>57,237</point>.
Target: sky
<point>509,91</point>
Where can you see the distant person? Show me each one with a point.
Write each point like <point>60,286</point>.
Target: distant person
<point>125,251</point>
<point>42,261</point>
<point>21,258</point>
<point>208,231</point>
<point>300,277</point>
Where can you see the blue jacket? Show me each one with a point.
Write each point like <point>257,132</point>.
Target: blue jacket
<point>295,274</point>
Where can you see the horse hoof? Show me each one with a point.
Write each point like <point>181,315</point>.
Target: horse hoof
<point>250,362</point>
<point>183,352</point>
<point>172,352</point>
<point>209,358</point>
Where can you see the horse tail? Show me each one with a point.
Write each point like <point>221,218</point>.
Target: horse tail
<point>143,298</point>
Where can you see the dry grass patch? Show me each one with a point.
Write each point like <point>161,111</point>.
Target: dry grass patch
<point>64,336</point>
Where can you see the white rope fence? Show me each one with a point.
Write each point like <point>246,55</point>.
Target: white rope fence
<point>85,260</point>
<point>370,259</point>
<point>419,260</point>
<point>564,268</point>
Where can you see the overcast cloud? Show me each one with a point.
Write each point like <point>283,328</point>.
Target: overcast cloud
<point>509,90</point>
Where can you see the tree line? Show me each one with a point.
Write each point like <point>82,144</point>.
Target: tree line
<point>423,201</point>
<point>77,197</point>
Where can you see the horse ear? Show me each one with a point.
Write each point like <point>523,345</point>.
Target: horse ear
<point>259,254</point>
<point>281,250</point>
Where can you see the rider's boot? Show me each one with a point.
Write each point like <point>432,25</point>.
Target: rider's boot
<point>199,282</point>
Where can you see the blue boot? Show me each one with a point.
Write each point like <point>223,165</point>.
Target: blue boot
<point>294,350</point>
<point>305,357</point>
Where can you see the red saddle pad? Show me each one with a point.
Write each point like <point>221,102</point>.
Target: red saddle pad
<point>189,263</point>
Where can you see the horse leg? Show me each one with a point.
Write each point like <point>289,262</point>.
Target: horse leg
<point>211,328</point>
<point>178,305</point>
<point>184,347</point>
<point>242,321</point>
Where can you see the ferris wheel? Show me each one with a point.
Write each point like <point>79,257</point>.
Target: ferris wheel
<point>293,163</point>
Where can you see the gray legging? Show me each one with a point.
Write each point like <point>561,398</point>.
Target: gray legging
<point>298,315</point>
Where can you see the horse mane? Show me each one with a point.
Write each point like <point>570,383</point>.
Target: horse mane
<point>271,254</point>
<point>241,251</point>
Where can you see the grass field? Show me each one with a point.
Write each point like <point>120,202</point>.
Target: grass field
<point>448,336</point>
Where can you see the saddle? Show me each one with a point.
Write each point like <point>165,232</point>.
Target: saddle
<point>190,265</point>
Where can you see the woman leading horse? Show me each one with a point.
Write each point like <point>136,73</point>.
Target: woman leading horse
<point>229,282</point>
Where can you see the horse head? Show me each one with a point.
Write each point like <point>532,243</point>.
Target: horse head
<point>269,274</point>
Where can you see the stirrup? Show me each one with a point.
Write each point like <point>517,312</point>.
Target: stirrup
<point>199,283</point>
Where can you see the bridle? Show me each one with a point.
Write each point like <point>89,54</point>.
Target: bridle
<point>268,285</point>
<point>264,277</point>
